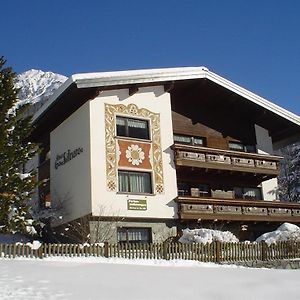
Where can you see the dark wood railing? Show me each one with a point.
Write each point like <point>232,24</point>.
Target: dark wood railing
<point>210,158</point>
<point>237,209</point>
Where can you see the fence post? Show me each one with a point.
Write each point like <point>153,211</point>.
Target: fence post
<point>41,251</point>
<point>106,249</point>
<point>264,250</point>
<point>218,254</point>
<point>165,251</point>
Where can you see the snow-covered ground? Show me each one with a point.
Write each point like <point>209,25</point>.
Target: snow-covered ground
<point>100,278</point>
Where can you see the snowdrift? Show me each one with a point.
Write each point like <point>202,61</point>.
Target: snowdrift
<point>285,232</point>
<point>205,236</point>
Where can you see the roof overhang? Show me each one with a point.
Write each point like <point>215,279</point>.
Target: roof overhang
<point>93,82</point>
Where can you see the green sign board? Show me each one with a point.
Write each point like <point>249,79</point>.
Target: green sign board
<point>136,204</point>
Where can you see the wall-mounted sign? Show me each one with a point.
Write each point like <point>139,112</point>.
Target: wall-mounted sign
<point>137,204</point>
<point>62,159</point>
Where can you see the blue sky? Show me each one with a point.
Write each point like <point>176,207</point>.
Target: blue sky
<point>253,43</point>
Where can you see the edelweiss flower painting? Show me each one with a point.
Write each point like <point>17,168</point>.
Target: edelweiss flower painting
<point>135,154</point>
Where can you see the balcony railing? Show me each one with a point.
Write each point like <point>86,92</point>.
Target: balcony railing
<point>191,208</point>
<point>210,158</point>
<point>44,187</point>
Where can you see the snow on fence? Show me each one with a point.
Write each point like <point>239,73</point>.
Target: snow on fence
<point>213,252</point>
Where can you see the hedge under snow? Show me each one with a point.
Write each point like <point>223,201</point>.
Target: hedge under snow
<point>205,236</point>
<point>285,232</point>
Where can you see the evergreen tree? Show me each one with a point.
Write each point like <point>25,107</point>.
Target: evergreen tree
<point>289,177</point>
<point>16,184</point>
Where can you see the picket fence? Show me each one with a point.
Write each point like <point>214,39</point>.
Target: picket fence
<point>214,252</point>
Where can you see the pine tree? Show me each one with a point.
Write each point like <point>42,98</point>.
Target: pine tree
<point>16,185</point>
<point>289,177</point>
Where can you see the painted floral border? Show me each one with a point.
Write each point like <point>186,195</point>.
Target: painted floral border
<point>111,158</point>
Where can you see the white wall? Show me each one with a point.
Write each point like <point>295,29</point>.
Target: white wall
<point>110,203</point>
<point>265,146</point>
<point>70,182</point>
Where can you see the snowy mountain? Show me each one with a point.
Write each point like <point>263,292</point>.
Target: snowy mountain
<point>37,86</point>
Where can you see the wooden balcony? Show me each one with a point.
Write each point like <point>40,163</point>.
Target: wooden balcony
<point>234,161</point>
<point>192,208</point>
<point>44,187</point>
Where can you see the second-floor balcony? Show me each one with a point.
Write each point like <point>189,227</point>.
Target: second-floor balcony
<point>235,161</point>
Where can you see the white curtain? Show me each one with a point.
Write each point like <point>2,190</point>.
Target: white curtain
<point>134,182</point>
<point>123,182</point>
<point>120,121</point>
<point>236,146</point>
<point>182,139</point>
<point>133,235</point>
<point>198,141</point>
<point>137,123</point>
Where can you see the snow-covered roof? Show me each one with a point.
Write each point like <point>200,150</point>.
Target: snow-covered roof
<point>148,76</point>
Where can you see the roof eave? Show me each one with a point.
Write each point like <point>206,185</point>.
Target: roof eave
<point>254,98</point>
<point>53,99</point>
<point>121,78</point>
<point>138,76</point>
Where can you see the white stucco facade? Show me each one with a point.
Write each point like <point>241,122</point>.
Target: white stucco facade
<point>81,183</point>
<point>70,174</point>
<point>112,203</point>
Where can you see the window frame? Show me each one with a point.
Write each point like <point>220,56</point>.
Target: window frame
<point>244,191</point>
<point>192,139</point>
<point>129,185</point>
<point>127,231</point>
<point>236,149</point>
<point>127,133</point>
<point>245,148</point>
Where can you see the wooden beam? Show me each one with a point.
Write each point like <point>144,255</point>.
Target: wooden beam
<point>133,89</point>
<point>169,86</point>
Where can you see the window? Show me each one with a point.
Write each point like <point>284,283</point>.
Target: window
<point>134,235</point>
<point>189,140</point>
<point>237,146</point>
<point>250,148</point>
<point>135,182</point>
<point>134,128</point>
<point>183,189</point>
<point>247,193</point>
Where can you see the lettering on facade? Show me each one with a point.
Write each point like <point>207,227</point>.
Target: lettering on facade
<point>62,159</point>
<point>137,204</point>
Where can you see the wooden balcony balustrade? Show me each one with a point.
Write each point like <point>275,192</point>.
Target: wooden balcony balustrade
<point>191,208</point>
<point>210,158</point>
<point>44,188</point>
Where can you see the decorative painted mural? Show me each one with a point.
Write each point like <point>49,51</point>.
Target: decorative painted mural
<point>131,153</point>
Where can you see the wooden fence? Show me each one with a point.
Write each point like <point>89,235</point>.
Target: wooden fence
<point>214,252</point>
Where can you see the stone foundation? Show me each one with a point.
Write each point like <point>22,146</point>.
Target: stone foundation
<point>102,231</point>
